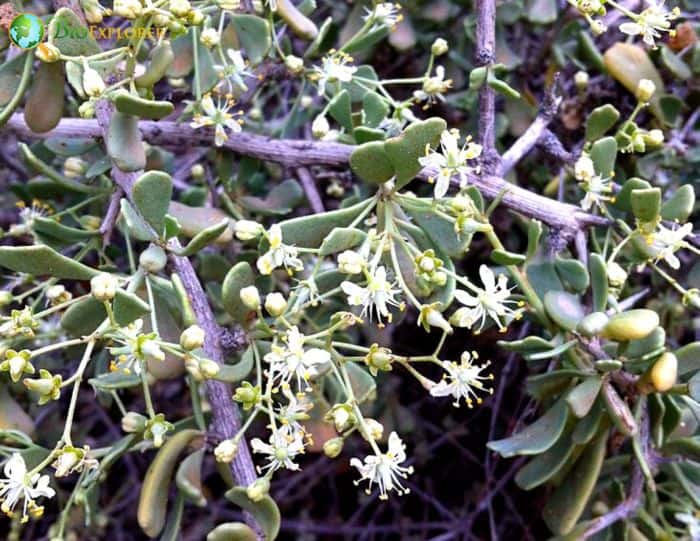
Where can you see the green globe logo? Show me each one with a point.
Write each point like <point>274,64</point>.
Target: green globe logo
<point>26,31</point>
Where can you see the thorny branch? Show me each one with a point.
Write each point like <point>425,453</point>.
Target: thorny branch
<point>299,153</point>
<point>485,55</point>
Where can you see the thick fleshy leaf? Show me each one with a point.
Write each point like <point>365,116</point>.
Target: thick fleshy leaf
<point>10,76</point>
<point>566,505</point>
<point>298,23</point>
<point>44,106</point>
<point>370,162</point>
<point>582,397</point>
<point>604,154</point>
<point>253,35</point>
<point>265,511</point>
<point>129,104</point>
<point>600,120</point>
<point>241,275</point>
<point>161,57</point>
<point>124,143</point>
<point>194,220</point>
<point>623,199</point>
<point>151,196</point>
<point>189,478</point>
<point>564,308</point>
<point>646,204</point>
<point>404,150</point>
<point>573,273</point>
<point>204,238</point>
<point>310,231</point>
<point>153,499</point>
<point>587,427</point>
<point>599,282</point>
<point>280,200</point>
<point>542,386</point>
<point>680,205</point>
<point>55,229</point>
<point>375,109</point>
<point>440,230</point>
<point>537,437</point>
<point>232,373</point>
<point>340,109</point>
<point>688,358</point>
<point>504,257</point>
<point>114,381</point>
<point>41,260</point>
<point>232,531</point>
<point>545,466</point>
<point>341,239</point>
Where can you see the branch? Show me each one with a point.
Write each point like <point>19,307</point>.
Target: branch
<point>485,55</point>
<point>310,190</point>
<point>225,415</point>
<point>299,153</point>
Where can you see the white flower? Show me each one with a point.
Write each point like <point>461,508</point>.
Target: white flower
<point>104,286</point>
<point>463,380</point>
<point>665,242</point>
<point>598,190</point>
<point>93,84</point>
<point>225,451</point>
<point>281,450</point>
<point>384,14</point>
<point>279,254</point>
<point>651,22</point>
<point>217,115</point>
<point>385,469</point>
<point>291,360</point>
<point>434,87</point>
<point>645,90</point>
<point>350,262</point>
<point>692,522</point>
<point>584,169</point>
<point>293,412</point>
<point>237,70</point>
<point>377,296</point>
<point>17,485</point>
<point>334,68</point>
<point>248,229</point>
<point>135,348</point>
<point>491,301</point>
<point>450,161</point>
<point>275,304</point>
<point>210,37</point>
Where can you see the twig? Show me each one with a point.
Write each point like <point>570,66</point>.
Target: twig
<point>225,415</point>
<point>299,153</point>
<point>534,132</point>
<point>110,219</point>
<point>485,55</point>
<point>310,189</point>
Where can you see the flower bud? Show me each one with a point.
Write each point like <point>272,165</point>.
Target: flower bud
<point>248,230</point>
<point>197,171</point>
<point>294,64</point>
<point>593,324</point>
<point>631,325</point>
<point>180,8</point>
<point>439,278</point>
<point>248,395</point>
<point>350,262</point>
<point>225,451</point>
<point>581,79</point>
<point>439,47</point>
<point>74,167</point>
<point>275,304</point>
<point>153,259</point>
<point>584,170</point>
<point>598,27</point>
<point>616,274</point>
<point>47,52</point>
<point>192,338</point>
<point>655,137</point>
<point>320,127</point>
<point>645,90</point>
<point>664,372</point>
<point>93,85</point>
<point>47,386</point>
<point>6,298</point>
<point>151,350</point>
<point>258,489</point>
<point>250,297</point>
<point>375,429</point>
<point>57,294</point>
<point>210,38</point>
<point>104,286</point>
<point>156,429</point>
<point>86,109</point>
<point>378,358</point>
<point>333,447</point>
<point>342,416</point>
<point>133,423</point>
<point>196,17</point>
<point>68,460</point>
<point>129,9</point>
<point>192,367</point>
<point>208,368</point>
<point>17,363</point>
<point>430,317</point>
<point>306,102</point>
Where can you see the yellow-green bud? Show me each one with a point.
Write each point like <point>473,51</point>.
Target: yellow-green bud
<point>350,262</point>
<point>208,368</point>
<point>581,79</point>
<point>320,127</point>
<point>129,9</point>
<point>258,489</point>
<point>631,325</point>
<point>210,37</point>
<point>439,47</point>
<point>294,64</point>
<point>378,358</point>
<point>104,286</point>
<point>87,109</point>
<point>197,171</point>
<point>47,52</point>
<point>180,8</point>
<point>333,447</point>
<point>133,422</point>
<point>250,297</point>
<point>247,229</point>
<point>93,85</point>
<point>192,338</point>
<point>153,259</point>
<point>226,451</point>
<point>6,298</point>
<point>664,372</point>
<point>275,304</point>
<point>645,90</point>
<point>74,167</point>
<point>17,363</point>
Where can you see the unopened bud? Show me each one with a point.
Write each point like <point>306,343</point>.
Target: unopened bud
<point>645,90</point>
<point>225,451</point>
<point>294,64</point>
<point>258,489</point>
<point>153,259</point>
<point>275,304</point>
<point>192,338</point>
<point>250,297</point>
<point>333,447</point>
<point>47,52</point>
<point>104,287</point>
<point>133,422</point>
<point>439,47</point>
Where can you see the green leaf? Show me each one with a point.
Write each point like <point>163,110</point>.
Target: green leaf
<point>564,308</point>
<point>604,154</point>
<point>83,317</point>
<point>623,200</point>
<point>545,466</point>
<point>189,478</point>
<point>573,273</point>
<point>310,231</point>
<point>438,229</point>
<point>531,344</point>
<point>137,227</point>
<point>41,260</point>
<point>241,275</point>
<point>128,307</point>
<point>587,427</point>
<point>339,108</point>
<point>114,381</point>
<point>232,373</point>
<point>534,233</point>
<point>363,134</point>
<point>537,437</point>
<point>129,104</point>
<point>67,32</point>
<point>280,200</point>
<point>542,11</point>
<point>161,58</point>
<point>191,221</point>
<point>62,181</point>
<point>232,531</point>
<point>341,239</point>
<point>11,75</point>
<point>566,505</point>
<point>675,64</point>
<point>404,150</point>
<point>375,109</point>
<point>599,282</point>
<point>124,143</point>
<point>204,238</point>
<point>301,25</point>
<point>43,108</point>
<point>685,447</point>
<point>543,277</point>
<point>548,384</point>
<point>265,512</point>
<point>53,228</point>
<point>504,257</point>
<point>154,491</point>
<point>582,397</point>
<point>254,35</point>
<point>370,162</point>
<point>680,205</point>
<point>646,204</point>
<point>173,525</point>
<point>688,358</point>
<point>600,121</point>
<point>151,196</point>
